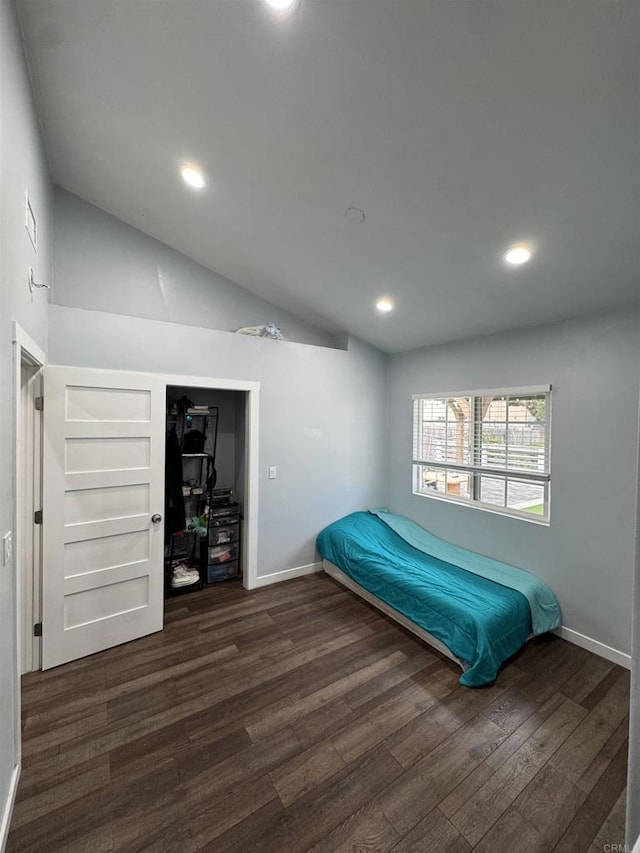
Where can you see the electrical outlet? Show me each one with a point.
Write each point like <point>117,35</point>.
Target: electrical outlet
<point>272,472</point>
<point>7,547</point>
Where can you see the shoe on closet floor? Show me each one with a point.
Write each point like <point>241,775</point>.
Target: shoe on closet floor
<point>181,575</point>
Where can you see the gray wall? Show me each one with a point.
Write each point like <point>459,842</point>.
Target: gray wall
<point>103,264</point>
<point>322,414</point>
<point>22,167</point>
<point>587,553</point>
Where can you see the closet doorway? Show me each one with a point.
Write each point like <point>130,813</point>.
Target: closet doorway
<point>233,407</point>
<point>205,471</point>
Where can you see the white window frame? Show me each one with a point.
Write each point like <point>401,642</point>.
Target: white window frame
<point>475,468</point>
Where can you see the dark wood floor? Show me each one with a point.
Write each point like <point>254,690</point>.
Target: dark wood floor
<point>296,718</point>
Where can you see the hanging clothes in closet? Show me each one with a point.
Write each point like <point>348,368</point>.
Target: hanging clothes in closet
<point>174,514</point>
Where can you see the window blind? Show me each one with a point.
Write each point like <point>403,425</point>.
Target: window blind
<point>484,446</point>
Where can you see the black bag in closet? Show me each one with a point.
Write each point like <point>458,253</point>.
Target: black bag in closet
<point>193,441</point>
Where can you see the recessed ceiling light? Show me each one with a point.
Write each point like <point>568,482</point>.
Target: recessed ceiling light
<point>192,175</point>
<point>384,305</point>
<point>282,5</point>
<point>517,255</point>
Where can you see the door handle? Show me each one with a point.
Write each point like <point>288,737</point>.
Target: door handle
<point>156,518</point>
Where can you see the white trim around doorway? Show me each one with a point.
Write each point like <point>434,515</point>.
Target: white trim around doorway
<point>24,349</point>
<point>252,432</point>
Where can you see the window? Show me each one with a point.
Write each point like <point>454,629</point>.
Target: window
<point>486,448</point>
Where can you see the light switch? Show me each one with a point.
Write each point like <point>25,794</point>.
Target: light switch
<point>272,472</point>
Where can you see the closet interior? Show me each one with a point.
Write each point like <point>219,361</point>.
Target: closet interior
<point>204,477</point>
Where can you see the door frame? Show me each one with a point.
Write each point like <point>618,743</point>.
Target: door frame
<point>249,541</point>
<point>29,467</point>
<point>25,349</point>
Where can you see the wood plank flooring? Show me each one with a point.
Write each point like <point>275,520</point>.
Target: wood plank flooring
<point>296,718</point>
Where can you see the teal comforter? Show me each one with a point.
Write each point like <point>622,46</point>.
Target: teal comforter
<point>482,622</point>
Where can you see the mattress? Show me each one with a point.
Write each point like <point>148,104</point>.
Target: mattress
<point>481,622</point>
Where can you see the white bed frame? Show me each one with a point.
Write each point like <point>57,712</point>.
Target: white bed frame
<point>345,580</point>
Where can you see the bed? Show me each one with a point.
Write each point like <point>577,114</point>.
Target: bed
<point>473,609</point>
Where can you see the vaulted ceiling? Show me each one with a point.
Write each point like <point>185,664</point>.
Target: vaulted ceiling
<point>459,128</point>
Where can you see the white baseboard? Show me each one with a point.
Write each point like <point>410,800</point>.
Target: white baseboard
<point>8,808</point>
<point>287,574</point>
<point>594,646</point>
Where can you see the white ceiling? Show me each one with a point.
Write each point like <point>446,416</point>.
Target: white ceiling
<point>458,126</point>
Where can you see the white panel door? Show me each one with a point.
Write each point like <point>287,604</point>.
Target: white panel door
<point>103,471</point>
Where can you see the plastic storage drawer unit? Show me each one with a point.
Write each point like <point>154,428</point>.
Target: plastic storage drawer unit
<point>223,535</point>
<point>222,515</point>
<point>223,553</point>
<point>222,571</point>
